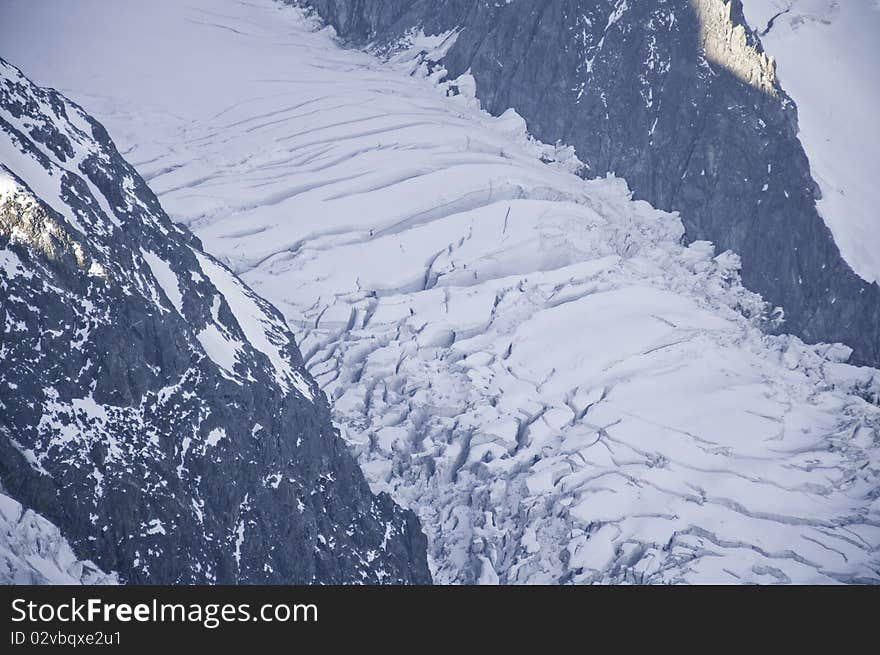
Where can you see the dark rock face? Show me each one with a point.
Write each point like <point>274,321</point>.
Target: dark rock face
<point>151,405</point>
<point>677,97</point>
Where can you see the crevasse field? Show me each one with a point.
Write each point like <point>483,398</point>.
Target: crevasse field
<point>532,362</point>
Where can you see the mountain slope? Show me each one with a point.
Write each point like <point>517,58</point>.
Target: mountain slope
<point>33,551</point>
<point>533,362</point>
<point>678,98</point>
<point>153,407</point>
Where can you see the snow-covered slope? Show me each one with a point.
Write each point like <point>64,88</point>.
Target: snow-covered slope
<point>152,407</point>
<point>826,53</point>
<point>532,362</point>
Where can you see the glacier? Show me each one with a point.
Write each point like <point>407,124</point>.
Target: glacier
<point>34,551</point>
<point>532,362</point>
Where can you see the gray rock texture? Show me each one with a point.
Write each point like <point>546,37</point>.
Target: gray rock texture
<point>152,407</point>
<point>677,97</point>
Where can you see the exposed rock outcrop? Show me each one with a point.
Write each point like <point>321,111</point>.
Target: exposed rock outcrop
<point>152,407</point>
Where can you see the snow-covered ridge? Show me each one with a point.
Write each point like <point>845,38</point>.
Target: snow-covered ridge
<point>730,46</point>
<point>534,363</point>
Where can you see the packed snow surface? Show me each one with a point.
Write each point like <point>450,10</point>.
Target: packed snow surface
<point>826,53</point>
<point>531,361</point>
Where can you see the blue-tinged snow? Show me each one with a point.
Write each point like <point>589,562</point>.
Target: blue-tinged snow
<point>33,551</point>
<point>531,361</point>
